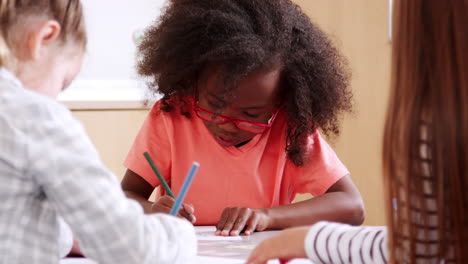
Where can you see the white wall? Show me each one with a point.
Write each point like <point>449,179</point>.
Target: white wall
<point>111,25</point>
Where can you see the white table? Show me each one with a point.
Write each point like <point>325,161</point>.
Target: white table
<point>217,250</point>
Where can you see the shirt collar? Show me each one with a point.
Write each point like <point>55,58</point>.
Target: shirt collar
<point>9,76</point>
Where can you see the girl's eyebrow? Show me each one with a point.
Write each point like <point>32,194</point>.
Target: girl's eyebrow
<point>243,108</point>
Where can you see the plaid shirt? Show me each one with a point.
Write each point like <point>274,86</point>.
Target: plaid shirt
<point>49,167</point>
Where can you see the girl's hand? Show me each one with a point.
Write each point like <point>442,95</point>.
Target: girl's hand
<point>235,219</point>
<point>285,246</point>
<point>165,203</point>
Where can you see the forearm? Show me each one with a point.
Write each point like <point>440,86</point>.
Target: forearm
<point>334,206</point>
<point>141,200</point>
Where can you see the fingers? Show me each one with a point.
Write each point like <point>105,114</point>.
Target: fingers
<point>234,220</point>
<point>188,208</point>
<point>166,200</point>
<point>243,216</point>
<point>229,221</point>
<point>260,254</point>
<point>165,203</point>
<point>187,211</point>
<point>252,224</point>
<point>285,246</point>
<point>190,217</point>
<point>222,221</point>
<point>271,248</point>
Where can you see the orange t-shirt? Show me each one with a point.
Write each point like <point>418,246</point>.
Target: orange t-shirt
<point>255,175</point>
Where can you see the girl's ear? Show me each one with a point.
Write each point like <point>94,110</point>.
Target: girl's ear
<point>41,38</point>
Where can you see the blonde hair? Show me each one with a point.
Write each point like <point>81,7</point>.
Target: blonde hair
<point>69,13</point>
<point>425,142</point>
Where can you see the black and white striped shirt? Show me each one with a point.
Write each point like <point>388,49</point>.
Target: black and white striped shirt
<point>328,242</point>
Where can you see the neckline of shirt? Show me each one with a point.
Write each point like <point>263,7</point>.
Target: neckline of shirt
<point>7,75</point>
<point>235,151</point>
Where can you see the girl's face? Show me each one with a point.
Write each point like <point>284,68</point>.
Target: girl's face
<point>255,99</point>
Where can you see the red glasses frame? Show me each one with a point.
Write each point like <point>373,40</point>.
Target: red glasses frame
<point>249,126</point>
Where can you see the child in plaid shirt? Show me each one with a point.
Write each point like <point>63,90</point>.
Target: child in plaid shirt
<point>48,166</point>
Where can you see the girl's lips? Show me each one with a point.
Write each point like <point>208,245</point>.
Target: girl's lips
<point>225,142</point>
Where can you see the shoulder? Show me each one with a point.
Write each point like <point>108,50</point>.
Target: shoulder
<point>316,143</point>
<point>30,122</point>
<point>173,110</point>
<point>319,155</point>
<point>29,111</point>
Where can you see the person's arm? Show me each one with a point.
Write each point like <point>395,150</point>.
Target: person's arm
<point>136,188</point>
<point>341,203</point>
<point>109,227</point>
<point>140,180</point>
<point>325,242</point>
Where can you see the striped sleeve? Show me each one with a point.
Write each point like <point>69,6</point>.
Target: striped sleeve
<point>328,242</point>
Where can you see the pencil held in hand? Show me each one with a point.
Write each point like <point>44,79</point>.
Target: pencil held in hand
<point>165,203</point>
<point>185,187</point>
<point>158,174</point>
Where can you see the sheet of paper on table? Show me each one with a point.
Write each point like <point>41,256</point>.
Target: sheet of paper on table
<point>197,260</point>
<point>216,260</point>
<point>214,249</point>
<point>207,233</point>
<point>77,261</point>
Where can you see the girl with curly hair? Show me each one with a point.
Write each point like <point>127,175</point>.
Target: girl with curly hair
<point>246,86</point>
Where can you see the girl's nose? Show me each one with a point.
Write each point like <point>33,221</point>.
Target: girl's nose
<point>229,127</point>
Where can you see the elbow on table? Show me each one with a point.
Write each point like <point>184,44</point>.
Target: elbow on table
<point>357,212</point>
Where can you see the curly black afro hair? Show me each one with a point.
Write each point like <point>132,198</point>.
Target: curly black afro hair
<point>243,36</point>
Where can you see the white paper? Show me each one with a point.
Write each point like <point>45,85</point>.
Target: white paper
<point>209,236</point>
<point>197,260</point>
<point>77,261</point>
<point>207,233</point>
<point>216,260</point>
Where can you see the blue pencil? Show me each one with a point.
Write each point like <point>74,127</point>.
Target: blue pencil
<point>184,189</point>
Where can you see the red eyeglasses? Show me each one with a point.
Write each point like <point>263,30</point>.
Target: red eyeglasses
<point>249,126</point>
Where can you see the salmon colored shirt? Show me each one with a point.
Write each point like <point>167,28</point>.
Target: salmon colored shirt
<point>255,175</point>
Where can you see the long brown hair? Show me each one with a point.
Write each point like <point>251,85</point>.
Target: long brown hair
<point>69,13</point>
<point>425,152</point>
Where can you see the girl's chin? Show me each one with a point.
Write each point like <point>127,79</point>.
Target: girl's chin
<point>225,142</point>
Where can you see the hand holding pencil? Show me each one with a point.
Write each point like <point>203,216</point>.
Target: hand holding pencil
<point>165,203</point>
